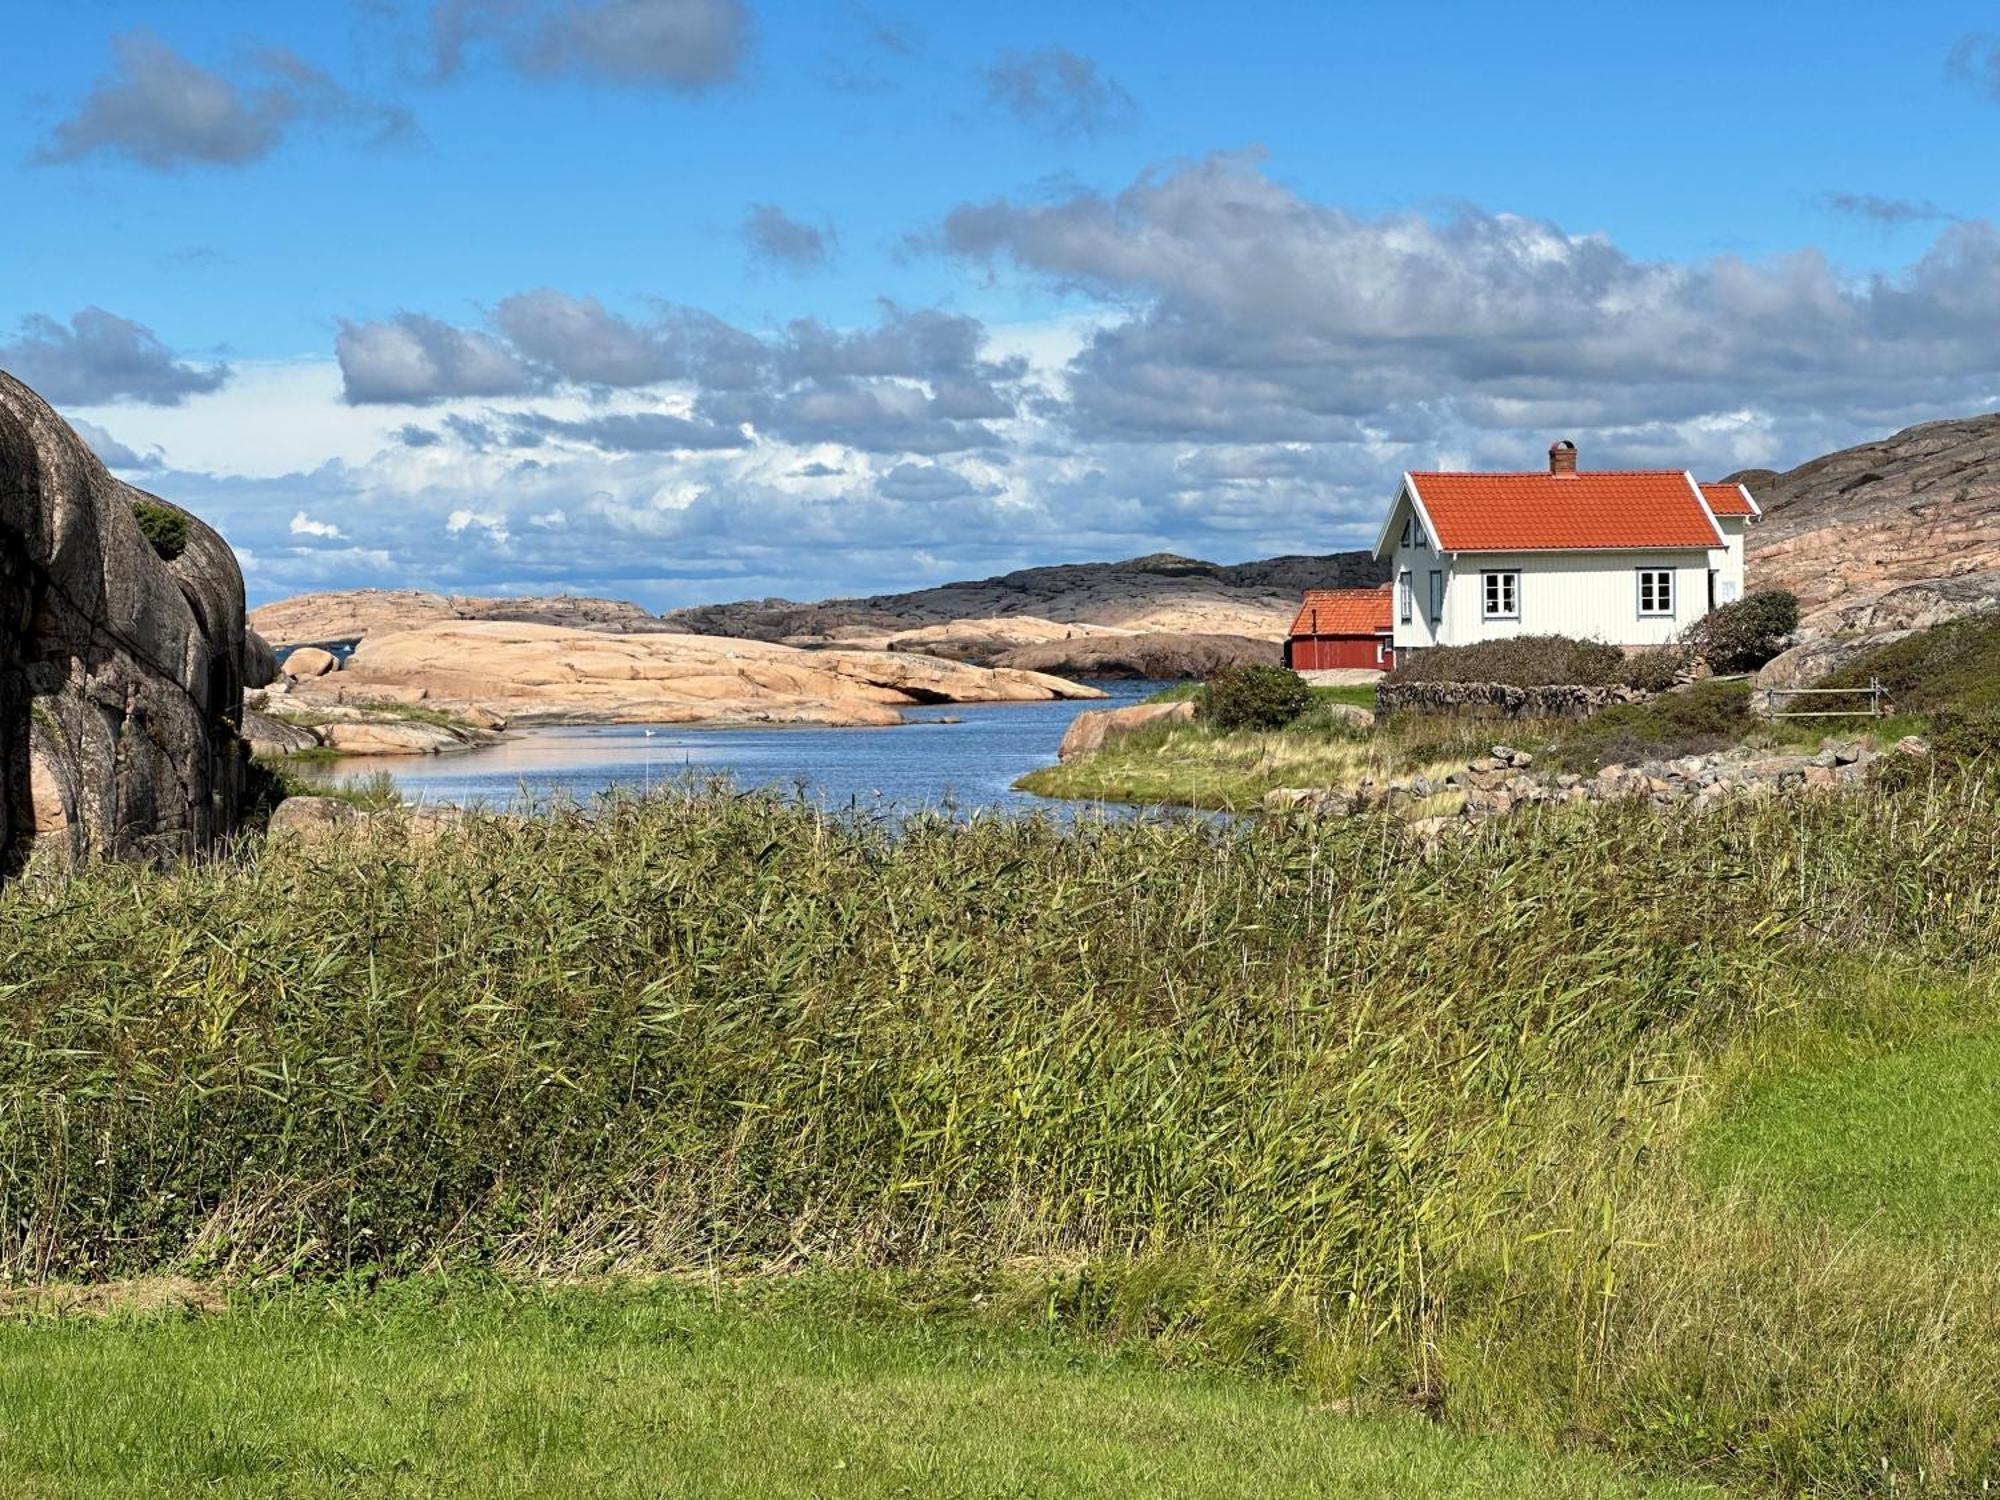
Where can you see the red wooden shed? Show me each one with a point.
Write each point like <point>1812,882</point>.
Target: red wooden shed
<point>1341,628</point>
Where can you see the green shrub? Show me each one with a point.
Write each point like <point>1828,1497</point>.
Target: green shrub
<point>1255,697</point>
<point>1542,661</point>
<point>1741,637</point>
<point>1707,716</point>
<point>163,526</point>
<point>1952,668</point>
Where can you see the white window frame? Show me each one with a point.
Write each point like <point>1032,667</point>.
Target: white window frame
<point>1437,596</point>
<point>1500,582</point>
<point>1409,522</point>
<point>1406,596</point>
<point>1659,582</point>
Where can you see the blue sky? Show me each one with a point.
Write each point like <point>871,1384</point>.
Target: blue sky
<point>693,299</point>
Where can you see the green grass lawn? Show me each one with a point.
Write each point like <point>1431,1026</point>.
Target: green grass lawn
<point>665,1391</point>
<point>1907,1143</point>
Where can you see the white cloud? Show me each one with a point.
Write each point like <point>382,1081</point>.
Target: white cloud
<point>304,525</point>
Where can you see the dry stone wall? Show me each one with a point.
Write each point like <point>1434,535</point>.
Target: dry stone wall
<point>1501,700</point>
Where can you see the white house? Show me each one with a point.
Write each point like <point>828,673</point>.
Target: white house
<point>1632,557</point>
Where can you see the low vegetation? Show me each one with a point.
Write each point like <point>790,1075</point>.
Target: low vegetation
<point>304,774</point>
<point>1195,765</point>
<point>1275,1099</point>
<point>807,1387</point>
<point>165,528</point>
<point>1951,668</point>
<point>1541,661</point>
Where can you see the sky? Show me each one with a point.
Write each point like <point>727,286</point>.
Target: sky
<point>692,300</point>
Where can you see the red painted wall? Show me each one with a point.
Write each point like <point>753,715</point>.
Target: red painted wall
<point>1321,652</point>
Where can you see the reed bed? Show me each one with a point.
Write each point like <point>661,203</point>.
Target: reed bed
<point>1407,1123</point>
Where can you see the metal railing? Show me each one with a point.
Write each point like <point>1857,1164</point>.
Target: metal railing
<point>1875,709</point>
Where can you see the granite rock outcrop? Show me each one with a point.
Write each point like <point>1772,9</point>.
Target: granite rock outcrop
<point>121,670</point>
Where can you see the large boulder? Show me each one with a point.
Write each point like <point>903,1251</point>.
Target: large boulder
<point>309,661</point>
<point>269,736</point>
<point>1095,728</point>
<point>121,673</point>
<point>391,737</point>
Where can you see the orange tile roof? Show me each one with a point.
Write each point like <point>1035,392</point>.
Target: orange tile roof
<point>1343,612</point>
<point>1729,500</point>
<point>1607,510</point>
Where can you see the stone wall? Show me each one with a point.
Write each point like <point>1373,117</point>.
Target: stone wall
<point>121,675</point>
<point>1506,780</point>
<point>1500,700</point>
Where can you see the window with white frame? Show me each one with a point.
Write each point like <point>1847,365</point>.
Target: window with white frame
<point>1403,592</point>
<point>1409,522</point>
<point>1437,596</point>
<point>1656,591</point>
<point>1417,532</point>
<point>1501,598</point>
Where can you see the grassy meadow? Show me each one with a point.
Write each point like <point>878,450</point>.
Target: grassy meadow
<point>1506,1134</point>
<point>1197,765</point>
<point>430,1387</point>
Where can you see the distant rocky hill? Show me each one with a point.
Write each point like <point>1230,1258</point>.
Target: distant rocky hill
<point>1160,593</point>
<point>1843,529</point>
<point>350,614</point>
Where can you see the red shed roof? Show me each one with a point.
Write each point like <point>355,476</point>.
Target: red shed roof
<point>1730,500</point>
<point>1343,612</point>
<point>1609,510</point>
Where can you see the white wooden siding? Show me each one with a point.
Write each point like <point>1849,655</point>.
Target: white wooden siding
<point>1727,560</point>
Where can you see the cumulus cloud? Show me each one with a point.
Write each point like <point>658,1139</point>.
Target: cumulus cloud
<point>492,523</point>
<point>685,46</point>
<point>1263,316</point>
<point>413,359</point>
<point>305,525</point>
<point>917,381</point>
<point>578,340</point>
<point>1059,93</point>
<point>100,357</point>
<point>777,238</point>
<point>161,110</point>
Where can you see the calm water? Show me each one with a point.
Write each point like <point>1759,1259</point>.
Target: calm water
<point>925,764</point>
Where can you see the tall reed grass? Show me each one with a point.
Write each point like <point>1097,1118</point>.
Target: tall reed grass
<point>1405,1121</point>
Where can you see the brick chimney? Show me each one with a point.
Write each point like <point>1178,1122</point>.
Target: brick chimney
<point>1562,457</point>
